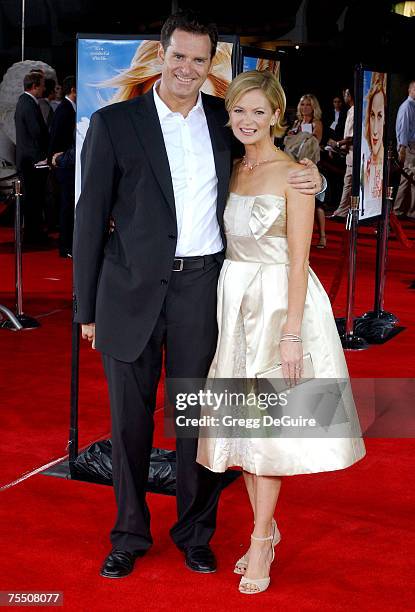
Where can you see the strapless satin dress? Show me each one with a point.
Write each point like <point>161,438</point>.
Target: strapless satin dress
<point>252,308</point>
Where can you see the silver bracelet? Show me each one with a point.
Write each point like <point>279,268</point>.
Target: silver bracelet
<point>290,338</point>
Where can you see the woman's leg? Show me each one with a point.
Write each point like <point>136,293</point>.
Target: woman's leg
<point>321,221</point>
<point>266,490</point>
<point>249,483</point>
<point>240,566</point>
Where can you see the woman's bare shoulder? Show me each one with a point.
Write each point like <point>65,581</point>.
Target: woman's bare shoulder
<point>288,164</point>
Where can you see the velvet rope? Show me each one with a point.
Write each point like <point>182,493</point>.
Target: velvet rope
<point>399,231</point>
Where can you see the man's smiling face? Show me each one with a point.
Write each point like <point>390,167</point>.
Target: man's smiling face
<point>186,64</point>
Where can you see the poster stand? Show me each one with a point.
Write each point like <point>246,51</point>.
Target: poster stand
<point>378,324</point>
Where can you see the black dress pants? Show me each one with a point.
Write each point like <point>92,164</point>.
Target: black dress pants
<point>66,179</point>
<point>34,190</point>
<point>187,330</point>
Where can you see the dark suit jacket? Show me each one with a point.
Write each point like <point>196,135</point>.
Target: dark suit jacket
<point>31,133</point>
<point>62,131</point>
<point>338,133</point>
<point>121,280</point>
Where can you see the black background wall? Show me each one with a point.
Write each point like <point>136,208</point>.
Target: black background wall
<point>336,35</point>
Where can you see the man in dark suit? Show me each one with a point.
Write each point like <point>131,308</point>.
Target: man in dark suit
<point>159,165</point>
<point>62,139</point>
<point>31,147</point>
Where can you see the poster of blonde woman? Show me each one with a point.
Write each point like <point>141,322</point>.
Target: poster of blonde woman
<point>120,68</point>
<point>372,149</point>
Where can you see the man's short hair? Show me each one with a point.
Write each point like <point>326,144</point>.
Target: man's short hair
<point>33,79</point>
<point>350,89</point>
<point>68,83</point>
<point>191,21</point>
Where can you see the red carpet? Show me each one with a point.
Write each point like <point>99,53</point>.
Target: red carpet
<point>347,536</point>
<point>347,544</point>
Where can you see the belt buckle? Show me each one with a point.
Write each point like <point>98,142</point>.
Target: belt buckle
<point>181,260</point>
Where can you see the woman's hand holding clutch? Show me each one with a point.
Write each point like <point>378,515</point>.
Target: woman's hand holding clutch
<point>291,354</point>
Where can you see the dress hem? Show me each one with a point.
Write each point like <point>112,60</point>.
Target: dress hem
<point>291,473</point>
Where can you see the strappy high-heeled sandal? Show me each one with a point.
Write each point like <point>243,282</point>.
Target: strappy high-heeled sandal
<point>242,563</point>
<point>260,584</point>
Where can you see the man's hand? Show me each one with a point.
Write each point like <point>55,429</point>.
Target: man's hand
<point>88,333</point>
<point>402,155</point>
<point>55,157</point>
<point>308,181</point>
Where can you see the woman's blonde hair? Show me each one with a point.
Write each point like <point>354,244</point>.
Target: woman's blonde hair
<point>269,84</point>
<point>314,105</point>
<point>377,85</point>
<point>145,70</point>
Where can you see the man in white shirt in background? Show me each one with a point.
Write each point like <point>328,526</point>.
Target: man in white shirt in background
<point>405,137</point>
<point>347,144</point>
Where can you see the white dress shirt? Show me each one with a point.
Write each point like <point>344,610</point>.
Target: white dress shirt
<point>32,96</point>
<point>72,102</point>
<point>348,133</point>
<point>336,120</point>
<point>193,172</point>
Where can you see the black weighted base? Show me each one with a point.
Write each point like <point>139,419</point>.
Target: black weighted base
<point>350,342</point>
<point>369,329</point>
<point>353,343</point>
<point>379,330</point>
<point>386,317</point>
<point>95,465</point>
<point>25,321</point>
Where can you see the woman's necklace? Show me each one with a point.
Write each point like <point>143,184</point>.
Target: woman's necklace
<point>251,165</point>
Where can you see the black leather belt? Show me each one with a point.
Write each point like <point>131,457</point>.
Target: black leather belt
<point>192,263</point>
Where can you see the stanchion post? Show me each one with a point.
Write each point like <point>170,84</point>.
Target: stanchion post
<point>73,427</point>
<point>349,340</point>
<point>18,249</point>
<point>24,321</point>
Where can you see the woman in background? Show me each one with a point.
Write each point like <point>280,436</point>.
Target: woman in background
<point>299,144</point>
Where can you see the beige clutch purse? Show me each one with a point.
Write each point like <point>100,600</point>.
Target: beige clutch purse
<point>275,376</point>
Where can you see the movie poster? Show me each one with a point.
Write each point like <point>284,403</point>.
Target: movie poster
<point>261,63</point>
<point>372,152</point>
<point>121,68</point>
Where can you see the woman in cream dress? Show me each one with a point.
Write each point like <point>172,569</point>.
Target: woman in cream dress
<point>271,309</point>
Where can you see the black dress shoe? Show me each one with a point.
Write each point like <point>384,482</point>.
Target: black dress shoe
<point>200,559</point>
<point>118,564</point>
